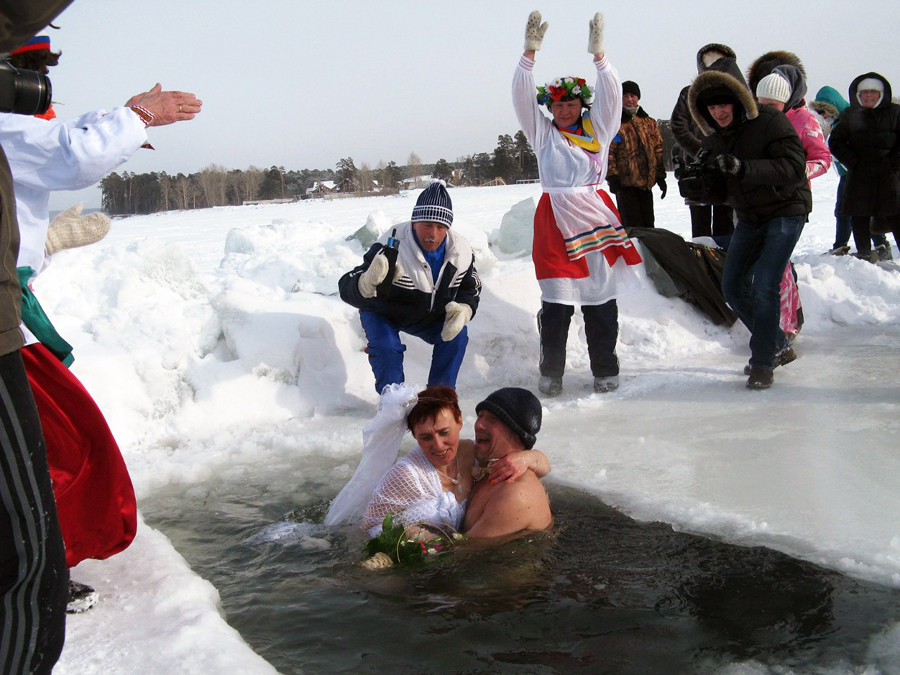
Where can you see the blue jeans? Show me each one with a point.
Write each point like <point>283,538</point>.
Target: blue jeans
<point>386,351</point>
<point>751,281</point>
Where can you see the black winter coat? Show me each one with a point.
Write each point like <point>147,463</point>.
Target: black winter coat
<point>416,299</point>
<point>867,142</point>
<point>773,181</point>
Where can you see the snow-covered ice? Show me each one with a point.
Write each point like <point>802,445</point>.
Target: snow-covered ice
<point>214,340</point>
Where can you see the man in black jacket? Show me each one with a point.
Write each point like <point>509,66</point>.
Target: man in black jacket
<point>432,292</point>
<point>761,164</point>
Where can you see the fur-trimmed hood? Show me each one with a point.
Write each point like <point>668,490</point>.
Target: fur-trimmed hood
<point>715,81</point>
<point>766,63</point>
<point>713,47</point>
<point>829,101</point>
<point>886,97</point>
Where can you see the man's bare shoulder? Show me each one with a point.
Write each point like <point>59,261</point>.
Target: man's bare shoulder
<point>512,507</point>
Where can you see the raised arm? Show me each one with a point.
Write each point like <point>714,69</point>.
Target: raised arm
<point>525,103</point>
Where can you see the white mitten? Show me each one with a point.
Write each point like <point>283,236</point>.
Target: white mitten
<point>70,229</point>
<point>458,315</point>
<point>595,35</point>
<point>534,31</point>
<point>368,281</point>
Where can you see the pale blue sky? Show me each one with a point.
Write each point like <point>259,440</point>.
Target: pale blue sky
<point>303,84</point>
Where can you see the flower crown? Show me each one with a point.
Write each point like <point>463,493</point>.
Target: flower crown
<point>564,87</point>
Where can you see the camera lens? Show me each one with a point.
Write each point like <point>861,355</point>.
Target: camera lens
<point>24,92</point>
<point>33,93</point>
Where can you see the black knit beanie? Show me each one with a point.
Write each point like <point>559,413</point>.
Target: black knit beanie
<point>518,409</point>
<point>629,87</point>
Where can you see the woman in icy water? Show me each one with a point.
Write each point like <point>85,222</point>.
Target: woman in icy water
<point>431,484</point>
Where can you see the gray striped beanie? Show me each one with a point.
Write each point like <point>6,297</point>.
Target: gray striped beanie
<point>434,205</point>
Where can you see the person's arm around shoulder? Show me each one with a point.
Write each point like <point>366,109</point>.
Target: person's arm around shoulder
<point>514,465</point>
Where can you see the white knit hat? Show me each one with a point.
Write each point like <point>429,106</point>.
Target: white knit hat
<point>774,87</point>
<point>870,84</point>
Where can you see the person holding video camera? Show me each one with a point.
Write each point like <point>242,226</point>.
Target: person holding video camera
<point>46,154</point>
<point>755,159</point>
<point>33,572</point>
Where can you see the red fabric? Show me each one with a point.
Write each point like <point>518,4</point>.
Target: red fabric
<point>94,495</point>
<point>49,115</point>
<point>548,249</point>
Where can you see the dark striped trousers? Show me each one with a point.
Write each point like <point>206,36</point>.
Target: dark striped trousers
<point>33,573</point>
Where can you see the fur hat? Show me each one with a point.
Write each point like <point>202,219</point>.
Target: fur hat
<point>766,63</point>
<point>629,87</point>
<point>434,205</point>
<point>773,87</point>
<point>518,409</point>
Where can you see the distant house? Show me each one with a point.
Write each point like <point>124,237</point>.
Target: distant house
<point>415,182</point>
<point>321,188</point>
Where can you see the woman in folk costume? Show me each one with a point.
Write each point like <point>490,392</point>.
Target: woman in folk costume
<point>582,256</point>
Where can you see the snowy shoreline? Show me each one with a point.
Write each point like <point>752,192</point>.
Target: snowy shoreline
<point>213,340</point>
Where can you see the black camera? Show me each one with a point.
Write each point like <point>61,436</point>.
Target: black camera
<point>699,182</point>
<point>24,92</point>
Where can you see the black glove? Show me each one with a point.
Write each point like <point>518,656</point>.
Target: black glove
<point>729,164</point>
<point>614,183</point>
<point>661,184</point>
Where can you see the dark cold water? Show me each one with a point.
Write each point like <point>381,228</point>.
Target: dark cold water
<point>604,594</point>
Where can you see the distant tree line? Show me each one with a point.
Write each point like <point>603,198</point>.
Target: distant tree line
<point>130,193</point>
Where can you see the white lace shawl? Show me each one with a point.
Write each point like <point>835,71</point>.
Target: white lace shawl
<point>412,492</point>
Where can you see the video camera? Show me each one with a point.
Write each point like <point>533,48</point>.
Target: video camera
<point>24,92</point>
<point>698,181</point>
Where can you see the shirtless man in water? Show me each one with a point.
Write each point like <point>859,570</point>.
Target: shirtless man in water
<point>508,420</point>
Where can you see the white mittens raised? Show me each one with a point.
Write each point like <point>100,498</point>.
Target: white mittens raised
<point>368,281</point>
<point>595,34</point>
<point>70,229</point>
<point>534,31</point>
<point>458,315</point>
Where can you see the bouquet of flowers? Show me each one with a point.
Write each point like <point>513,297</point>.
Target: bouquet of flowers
<point>395,546</point>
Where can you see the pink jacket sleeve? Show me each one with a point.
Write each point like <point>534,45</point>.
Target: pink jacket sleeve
<point>818,156</point>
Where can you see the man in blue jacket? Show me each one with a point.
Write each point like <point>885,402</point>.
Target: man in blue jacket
<point>432,292</point>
